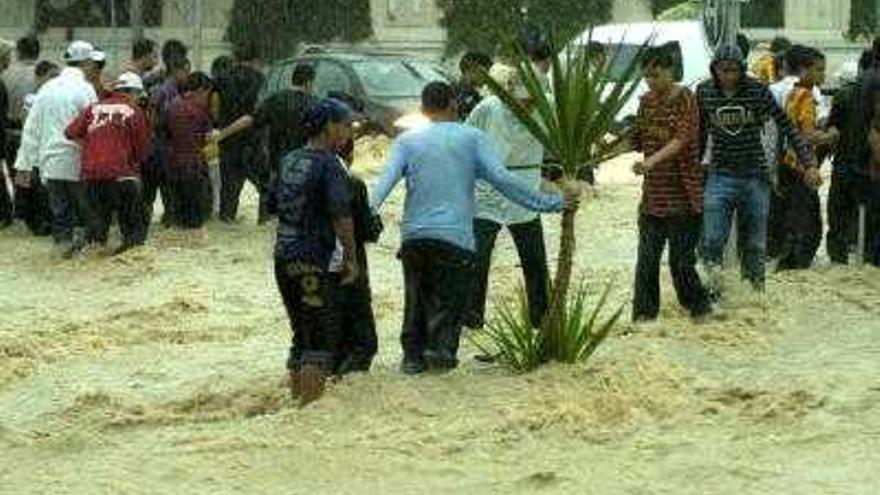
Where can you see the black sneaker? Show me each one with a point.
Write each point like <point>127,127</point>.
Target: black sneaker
<point>412,366</point>
<point>440,363</point>
<point>486,358</point>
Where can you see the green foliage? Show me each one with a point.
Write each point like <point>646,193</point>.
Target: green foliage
<point>863,19</point>
<point>660,6</point>
<point>763,14</point>
<point>587,95</point>
<point>687,10</point>
<point>509,335</point>
<point>485,24</point>
<point>277,27</point>
<point>94,13</point>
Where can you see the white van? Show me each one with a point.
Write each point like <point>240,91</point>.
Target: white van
<point>694,53</point>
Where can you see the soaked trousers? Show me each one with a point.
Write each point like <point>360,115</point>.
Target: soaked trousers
<point>802,219</point>
<point>239,163</point>
<point>683,235</point>
<point>6,210</point>
<point>308,295</point>
<point>847,192</point>
<point>872,227</point>
<point>529,240</point>
<point>119,198</point>
<point>190,198</point>
<point>749,197</point>
<point>359,343</point>
<point>71,214</point>
<point>437,278</point>
<point>32,205</point>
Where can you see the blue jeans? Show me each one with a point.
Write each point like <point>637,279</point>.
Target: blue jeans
<point>749,197</point>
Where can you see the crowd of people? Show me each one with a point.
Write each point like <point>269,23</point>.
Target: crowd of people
<point>749,147</point>
<point>742,152</point>
<point>82,146</point>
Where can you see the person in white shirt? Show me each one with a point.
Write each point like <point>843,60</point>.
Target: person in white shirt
<point>44,145</point>
<point>517,147</point>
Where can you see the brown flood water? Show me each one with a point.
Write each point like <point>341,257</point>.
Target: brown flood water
<point>159,371</point>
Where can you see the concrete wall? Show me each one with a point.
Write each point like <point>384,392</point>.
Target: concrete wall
<point>411,26</point>
<point>819,23</point>
<point>17,18</point>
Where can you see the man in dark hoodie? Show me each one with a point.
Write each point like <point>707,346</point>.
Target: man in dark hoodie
<point>851,115</point>
<point>733,111</point>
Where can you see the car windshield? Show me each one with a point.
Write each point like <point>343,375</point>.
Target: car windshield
<point>621,56</point>
<point>427,71</point>
<point>389,79</point>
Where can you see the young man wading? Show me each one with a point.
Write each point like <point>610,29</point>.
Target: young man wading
<point>312,200</point>
<point>114,136</point>
<point>871,196</point>
<point>441,163</point>
<point>801,208</point>
<point>494,212</point>
<point>667,132</point>
<point>241,156</point>
<point>189,127</point>
<point>733,111</point>
<point>283,114</point>
<point>851,116</point>
<point>20,82</point>
<point>44,145</point>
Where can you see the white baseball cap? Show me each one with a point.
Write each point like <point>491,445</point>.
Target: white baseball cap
<point>80,51</point>
<point>129,81</point>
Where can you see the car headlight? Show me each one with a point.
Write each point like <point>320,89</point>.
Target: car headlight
<point>411,121</point>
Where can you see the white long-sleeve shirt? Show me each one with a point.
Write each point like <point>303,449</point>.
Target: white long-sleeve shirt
<point>43,144</point>
<point>516,146</point>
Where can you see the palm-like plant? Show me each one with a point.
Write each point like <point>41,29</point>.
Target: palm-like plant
<point>572,123</point>
<point>509,336</point>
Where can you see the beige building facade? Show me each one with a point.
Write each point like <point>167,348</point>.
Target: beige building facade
<point>406,25</point>
<point>179,19</point>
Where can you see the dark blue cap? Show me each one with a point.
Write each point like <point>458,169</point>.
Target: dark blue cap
<point>328,110</point>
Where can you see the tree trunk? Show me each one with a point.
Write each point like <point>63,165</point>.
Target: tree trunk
<point>559,296</point>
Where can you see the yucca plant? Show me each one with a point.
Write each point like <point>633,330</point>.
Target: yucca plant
<point>509,337</point>
<point>511,340</point>
<point>573,124</point>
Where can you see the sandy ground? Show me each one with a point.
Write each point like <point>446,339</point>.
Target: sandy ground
<point>158,372</point>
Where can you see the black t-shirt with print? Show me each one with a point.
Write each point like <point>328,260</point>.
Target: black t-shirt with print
<point>239,92</point>
<point>313,191</point>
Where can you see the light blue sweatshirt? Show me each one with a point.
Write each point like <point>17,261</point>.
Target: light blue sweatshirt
<point>441,163</point>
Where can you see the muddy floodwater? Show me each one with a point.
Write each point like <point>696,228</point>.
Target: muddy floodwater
<point>159,371</point>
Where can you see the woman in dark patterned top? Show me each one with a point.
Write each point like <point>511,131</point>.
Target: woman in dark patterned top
<point>667,132</point>
<point>189,127</point>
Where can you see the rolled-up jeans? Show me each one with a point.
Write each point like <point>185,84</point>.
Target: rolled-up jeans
<point>749,197</point>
